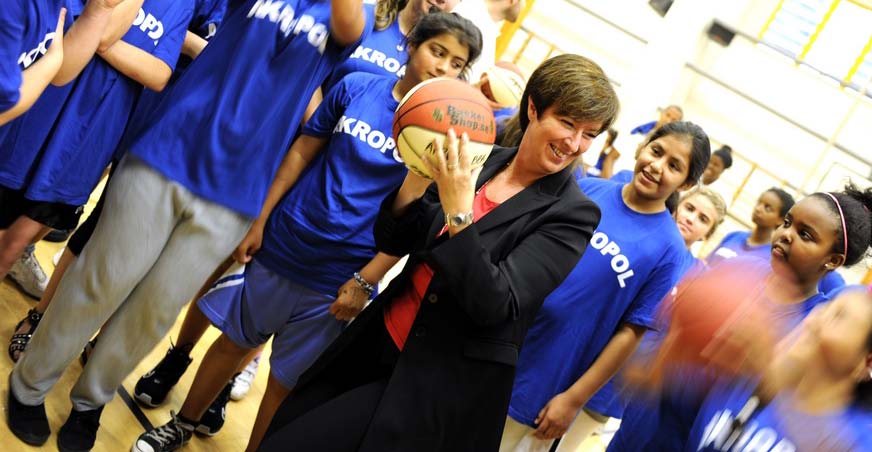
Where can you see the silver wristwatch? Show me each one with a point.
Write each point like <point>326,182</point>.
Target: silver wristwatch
<point>458,219</point>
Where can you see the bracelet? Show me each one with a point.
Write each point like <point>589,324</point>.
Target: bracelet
<point>367,287</point>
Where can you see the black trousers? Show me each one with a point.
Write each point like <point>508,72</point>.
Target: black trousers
<point>332,412</point>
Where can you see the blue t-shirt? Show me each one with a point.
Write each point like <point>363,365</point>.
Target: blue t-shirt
<point>58,150</point>
<point>653,423</point>
<point>838,290</point>
<point>632,261</point>
<point>208,15</point>
<point>383,52</point>
<point>321,231</point>
<point>736,244</point>
<point>776,426</point>
<point>222,128</point>
<point>622,177</point>
<point>27,28</point>
<point>831,282</point>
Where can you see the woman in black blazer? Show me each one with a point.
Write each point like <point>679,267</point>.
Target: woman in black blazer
<point>428,366</point>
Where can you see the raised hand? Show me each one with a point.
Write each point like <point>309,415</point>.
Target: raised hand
<point>452,172</point>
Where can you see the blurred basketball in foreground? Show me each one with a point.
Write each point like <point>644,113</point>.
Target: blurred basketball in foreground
<point>719,318</point>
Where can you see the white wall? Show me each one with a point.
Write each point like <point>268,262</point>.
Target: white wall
<point>803,98</point>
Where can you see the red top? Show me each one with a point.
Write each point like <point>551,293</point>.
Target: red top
<point>400,314</point>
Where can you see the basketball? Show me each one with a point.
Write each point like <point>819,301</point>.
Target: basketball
<point>506,85</point>
<point>717,314</point>
<point>429,109</point>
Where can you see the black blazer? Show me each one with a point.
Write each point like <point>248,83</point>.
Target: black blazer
<point>452,383</point>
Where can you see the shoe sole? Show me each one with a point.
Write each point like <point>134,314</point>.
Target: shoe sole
<point>24,289</point>
<point>202,430</point>
<point>64,449</point>
<point>145,399</point>
<point>32,440</point>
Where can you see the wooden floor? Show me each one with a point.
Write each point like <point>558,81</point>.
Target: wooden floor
<point>119,427</point>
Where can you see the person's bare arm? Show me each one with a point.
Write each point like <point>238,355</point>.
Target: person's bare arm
<point>556,417</point>
<point>302,151</point>
<point>122,18</point>
<point>36,78</point>
<point>347,20</point>
<point>150,71</point>
<point>193,45</point>
<point>83,37</point>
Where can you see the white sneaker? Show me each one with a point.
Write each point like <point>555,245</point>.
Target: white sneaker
<point>29,275</point>
<point>242,383</point>
<point>57,257</point>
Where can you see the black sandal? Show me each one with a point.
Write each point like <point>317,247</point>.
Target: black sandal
<point>86,351</point>
<point>19,341</point>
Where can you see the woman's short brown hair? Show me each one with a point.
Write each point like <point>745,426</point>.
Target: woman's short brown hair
<point>576,86</point>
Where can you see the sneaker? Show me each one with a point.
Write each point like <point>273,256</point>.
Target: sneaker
<point>28,423</point>
<point>28,274</point>
<point>151,390</point>
<point>80,431</point>
<point>57,256</point>
<point>58,235</point>
<point>170,436</point>
<point>242,383</point>
<point>213,419</point>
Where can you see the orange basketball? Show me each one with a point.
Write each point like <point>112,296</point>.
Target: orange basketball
<point>428,110</point>
<point>718,312</point>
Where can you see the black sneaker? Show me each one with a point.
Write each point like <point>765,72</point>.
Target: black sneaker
<point>152,389</point>
<point>58,235</point>
<point>80,431</point>
<point>213,419</point>
<point>170,436</point>
<point>28,423</point>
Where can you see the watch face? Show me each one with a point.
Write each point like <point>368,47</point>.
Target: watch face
<point>460,219</point>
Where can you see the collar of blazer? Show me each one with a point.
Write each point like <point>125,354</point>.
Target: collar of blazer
<point>542,192</point>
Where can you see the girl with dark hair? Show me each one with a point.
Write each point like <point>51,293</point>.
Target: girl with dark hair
<point>722,160</point>
<point>768,213</point>
<point>816,394</point>
<point>382,52</point>
<point>313,233</point>
<point>819,234</point>
<point>593,322</point>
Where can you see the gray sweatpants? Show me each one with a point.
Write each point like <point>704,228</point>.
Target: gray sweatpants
<point>153,247</point>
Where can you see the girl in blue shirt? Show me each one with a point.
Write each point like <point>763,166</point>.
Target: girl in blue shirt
<point>56,157</point>
<point>28,62</point>
<point>805,247</point>
<point>822,395</point>
<point>768,213</point>
<point>315,229</point>
<point>592,323</point>
<point>383,52</point>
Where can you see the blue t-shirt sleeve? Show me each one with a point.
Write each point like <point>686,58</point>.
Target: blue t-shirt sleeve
<point>208,18</point>
<point>12,20</point>
<point>830,282</point>
<point>642,311</point>
<point>727,238</point>
<point>170,46</point>
<point>328,114</point>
